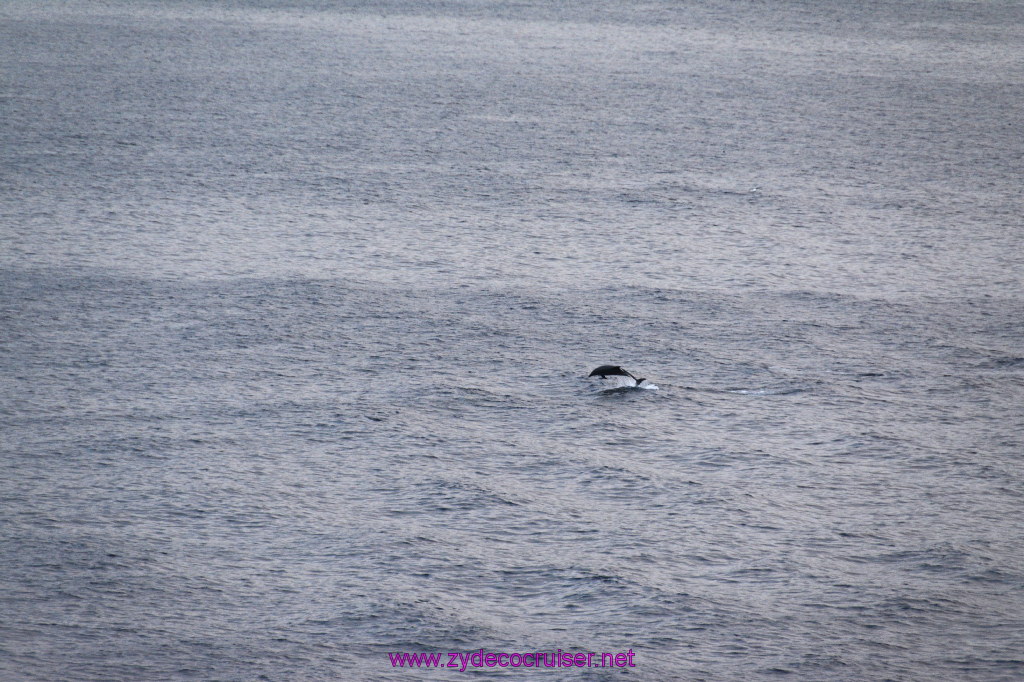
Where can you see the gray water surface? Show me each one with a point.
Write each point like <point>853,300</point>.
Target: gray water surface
<point>298,301</point>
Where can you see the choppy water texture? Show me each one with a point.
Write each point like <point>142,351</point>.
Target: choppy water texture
<point>298,301</point>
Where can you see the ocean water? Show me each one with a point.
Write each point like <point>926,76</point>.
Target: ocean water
<point>298,302</point>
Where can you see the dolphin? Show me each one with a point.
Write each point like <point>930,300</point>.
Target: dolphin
<point>614,371</point>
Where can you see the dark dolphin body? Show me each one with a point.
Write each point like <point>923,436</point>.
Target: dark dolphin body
<point>612,371</point>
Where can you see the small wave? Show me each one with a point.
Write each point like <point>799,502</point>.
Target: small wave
<point>628,389</point>
<point>785,390</point>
